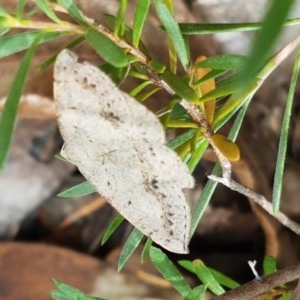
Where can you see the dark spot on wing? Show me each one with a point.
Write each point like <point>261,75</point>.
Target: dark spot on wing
<point>85,82</point>
<point>88,86</point>
<point>154,183</point>
<point>111,115</point>
<point>72,107</point>
<point>170,222</point>
<point>129,202</point>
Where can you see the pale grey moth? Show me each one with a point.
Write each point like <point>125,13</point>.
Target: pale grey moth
<point>119,147</point>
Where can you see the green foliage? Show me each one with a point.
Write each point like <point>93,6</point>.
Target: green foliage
<point>180,86</point>
<point>78,190</point>
<point>172,28</point>
<point>269,265</point>
<point>196,293</point>
<point>46,8</point>
<point>75,12</point>
<point>164,265</point>
<point>140,15</point>
<point>237,78</point>
<point>3,12</point>
<point>224,62</point>
<point>67,292</point>
<point>15,43</point>
<point>205,275</point>
<point>20,6</point>
<point>112,228</point>
<point>265,40</point>
<point>107,49</point>
<point>283,141</point>
<point>129,247</point>
<point>9,115</point>
<point>201,29</point>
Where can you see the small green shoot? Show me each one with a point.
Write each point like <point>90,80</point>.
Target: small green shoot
<point>169,271</point>
<point>81,189</point>
<point>67,292</point>
<point>129,247</point>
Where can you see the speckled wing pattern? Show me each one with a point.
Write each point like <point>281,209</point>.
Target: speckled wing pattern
<point>119,147</point>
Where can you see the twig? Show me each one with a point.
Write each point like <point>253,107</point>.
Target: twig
<point>255,288</point>
<point>260,200</point>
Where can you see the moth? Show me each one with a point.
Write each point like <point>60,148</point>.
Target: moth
<point>119,147</point>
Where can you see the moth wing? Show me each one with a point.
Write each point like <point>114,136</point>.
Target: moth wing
<point>84,86</point>
<point>118,145</point>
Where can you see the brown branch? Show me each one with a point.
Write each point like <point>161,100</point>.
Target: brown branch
<point>260,200</point>
<point>255,288</point>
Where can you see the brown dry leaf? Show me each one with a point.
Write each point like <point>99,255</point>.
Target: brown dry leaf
<point>27,269</point>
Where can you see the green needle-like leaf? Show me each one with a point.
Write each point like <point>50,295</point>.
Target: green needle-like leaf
<point>75,12</point>
<point>172,28</point>
<point>191,28</point>
<point>67,292</point>
<point>129,247</point>
<point>281,155</point>
<point>120,26</point>
<point>179,86</point>
<point>265,40</point>
<point>3,12</point>
<point>146,250</point>
<point>15,43</point>
<point>107,49</point>
<point>20,7</point>
<point>205,275</point>
<point>269,265</point>
<point>181,139</point>
<point>112,228</point>
<point>140,15</point>
<point>169,271</point>
<point>224,62</point>
<point>197,293</point>
<point>81,189</point>
<point>46,8</point>
<point>9,115</point>
<point>221,278</point>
